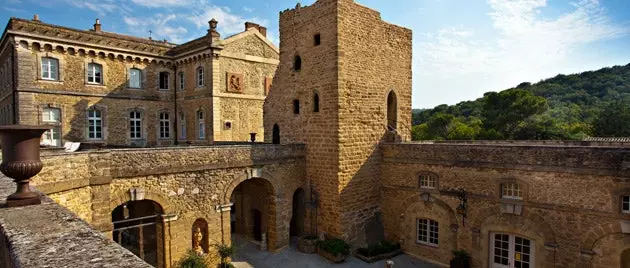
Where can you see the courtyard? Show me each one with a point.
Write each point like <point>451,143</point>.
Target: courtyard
<point>248,255</point>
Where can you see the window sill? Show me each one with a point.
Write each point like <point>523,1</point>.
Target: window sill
<point>95,85</point>
<point>50,81</point>
<point>135,88</point>
<point>426,244</point>
<point>506,200</point>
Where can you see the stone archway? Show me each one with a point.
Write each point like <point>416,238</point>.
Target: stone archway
<point>254,212</point>
<point>138,227</point>
<point>299,212</point>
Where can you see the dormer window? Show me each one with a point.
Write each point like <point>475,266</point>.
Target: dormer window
<point>511,190</point>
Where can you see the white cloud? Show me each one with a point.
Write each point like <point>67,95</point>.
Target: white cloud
<point>159,26</point>
<point>229,23</point>
<point>102,8</point>
<point>248,9</point>
<point>524,46</point>
<point>163,3</point>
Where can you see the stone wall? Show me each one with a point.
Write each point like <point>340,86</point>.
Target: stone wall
<point>188,183</point>
<point>567,229</point>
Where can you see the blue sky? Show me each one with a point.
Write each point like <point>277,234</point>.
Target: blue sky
<point>462,48</point>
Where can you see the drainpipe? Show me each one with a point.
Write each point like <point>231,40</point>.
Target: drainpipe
<point>176,114</point>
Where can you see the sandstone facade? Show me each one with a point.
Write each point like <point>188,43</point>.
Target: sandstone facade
<point>192,104</point>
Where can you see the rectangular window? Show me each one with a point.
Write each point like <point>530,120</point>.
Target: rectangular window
<point>95,74</point>
<point>95,125</point>
<point>181,81</point>
<point>165,126</point>
<point>296,106</point>
<point>164,81</point>
<point>427,232</point>
<point>625,204</point>
<point>428,182</point>
<point>511,190</point>
<point>317,38</point>
<point>52,116</point>
<point>135,125</point>
<point>50,69</point>
<point>135,78</point>
<point>182,126</point>
<point>202,125</point>
<point>200,77</point>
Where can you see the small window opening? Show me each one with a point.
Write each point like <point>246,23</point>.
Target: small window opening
<point>316,103</point>
<point>318,39</point>
<point>296,106</point>
<point>297,64</point>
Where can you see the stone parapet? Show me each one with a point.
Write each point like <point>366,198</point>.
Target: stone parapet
<point>49,235</point>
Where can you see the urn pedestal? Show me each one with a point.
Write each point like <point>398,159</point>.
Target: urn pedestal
<point>20,161</point>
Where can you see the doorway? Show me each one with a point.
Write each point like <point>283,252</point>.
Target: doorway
<point>257,217</point>
<point>511,251</point>
<point>297,217</point>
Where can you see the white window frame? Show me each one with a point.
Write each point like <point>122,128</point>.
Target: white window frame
<point>51,116</point>
<point>167,82</point>
<point>95,119</point>
<point>48,65</point>
<point>182,125</point>
<point>92,69</point>
<point>165,125</point>
<point>511,250</point>
<point>201,124</point>
<point>625,200</point>
<point>427,232</point>
<point>427,181</point>
<point>182,85</point>
<point>200,76</point>
<point>130,83</point>
<point>511,190</point>
<point>135,125</point>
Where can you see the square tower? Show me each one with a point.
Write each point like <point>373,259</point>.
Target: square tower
<point>342,87</point>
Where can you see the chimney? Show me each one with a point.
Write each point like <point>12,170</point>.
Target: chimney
<point>261,30</point>
<point>97,26</point>
<point>36,18</point>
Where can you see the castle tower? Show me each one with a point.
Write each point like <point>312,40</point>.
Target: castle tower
<point>342,87</point>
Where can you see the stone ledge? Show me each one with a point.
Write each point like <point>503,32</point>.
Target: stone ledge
<point>49,235</point>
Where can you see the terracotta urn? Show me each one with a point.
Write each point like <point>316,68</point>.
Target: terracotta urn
<point>20,160</point>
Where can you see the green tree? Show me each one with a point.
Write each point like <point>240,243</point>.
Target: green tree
<point>506,110</point>
<point>614,120</point>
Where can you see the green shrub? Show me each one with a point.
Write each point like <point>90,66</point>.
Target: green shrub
<point>379,248</point>
<point>461,254</point>
<point>225,251</point>
<point>192,260</point>
<point>335,246</point>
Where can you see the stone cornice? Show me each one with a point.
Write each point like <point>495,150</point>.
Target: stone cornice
<point>84,94</point>
<point>246,57</point>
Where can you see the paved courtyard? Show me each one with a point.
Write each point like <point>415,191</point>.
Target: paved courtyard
<point>248,255</point>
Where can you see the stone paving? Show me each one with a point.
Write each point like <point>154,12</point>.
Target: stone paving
<point>248,256</point>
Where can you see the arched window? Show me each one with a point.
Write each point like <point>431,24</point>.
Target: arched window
<point>135,78</point>
<point>316,103</point>
<point>165,125</point>
<point>297,63</point>
<point>392,111</point>
<point>95,124</point>
<point>200,77</point>
<point>201,124</point>
<point>276,134</point>
<point>95,73</point>
<point>50,69</point>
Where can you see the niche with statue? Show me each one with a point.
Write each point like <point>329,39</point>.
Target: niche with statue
<point>200,236</point>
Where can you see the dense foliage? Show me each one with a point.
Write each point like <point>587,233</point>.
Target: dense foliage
<point>335,246</point>
<point>192,260</point>
<point>378,249</point>
<point>225,251</point>
<point>595,103</point>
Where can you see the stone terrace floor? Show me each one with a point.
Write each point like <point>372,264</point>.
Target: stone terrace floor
<point>248,255</point>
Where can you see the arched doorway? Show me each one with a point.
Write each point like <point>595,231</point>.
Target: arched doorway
<point>276,134</point>
<point>138,227</point>
<point>625,259</point>
<point>392,111</point>
<point>253,212</point>
<point>297,218</point>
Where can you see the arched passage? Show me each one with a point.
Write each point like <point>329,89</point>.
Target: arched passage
<point>392,111</point>
<point>297,217</point>
<point>253,212</point>
<point>138,227</point>
<point>276,134</point>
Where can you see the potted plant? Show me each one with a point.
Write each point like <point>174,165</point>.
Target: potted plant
<point>225,251</point>
<point>335,250</point>
<point>308,244</point>
<point>461,259</point>
<point>192,260</point>
<point>378,251</point>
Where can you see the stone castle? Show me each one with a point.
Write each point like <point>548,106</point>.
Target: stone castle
<point>337,159</point>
